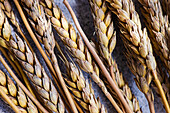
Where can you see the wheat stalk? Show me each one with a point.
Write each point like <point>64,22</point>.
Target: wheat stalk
<point>73,41</point>
<point>159,29</point>
<point>45,35</point>
<point>34,70</point>
<point>106,35</point>
<point>164,80</point>
<point>166,7</point>
<point>16,94</point>
<point>139,48</point>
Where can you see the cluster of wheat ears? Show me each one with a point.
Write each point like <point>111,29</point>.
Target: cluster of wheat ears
<point>33,90</point>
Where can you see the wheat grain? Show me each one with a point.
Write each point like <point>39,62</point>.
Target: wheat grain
<point>33,69</point>
<point>72,41</point>
<point>106,35</point>
<point>16,94</point>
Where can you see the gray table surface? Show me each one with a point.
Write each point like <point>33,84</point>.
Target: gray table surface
<point>82,11</point>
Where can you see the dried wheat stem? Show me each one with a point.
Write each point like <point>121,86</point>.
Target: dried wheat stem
<point>16,94</point>
<point>45,35</point>
<point>164,80</point>
<point>98,60</point>
<point>74,39</point>
<point>22,86</point>
<point>106,35</point>
<point>139,49</point>
<point>8,100</point>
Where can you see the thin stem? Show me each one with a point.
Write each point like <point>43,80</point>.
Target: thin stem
<point>96,57</point>
<point>18,70</point>
<point>46,58</point>
<point>151,104</point>
<point>8,100</point>
<point>162,94</point>
<point>10,61</point>
<point>22,86</point>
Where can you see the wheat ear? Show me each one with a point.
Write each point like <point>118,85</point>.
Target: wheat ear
<point>73,41</point>
<point>82,90</point>
<point>38,75</point>
<point>5,29</point>
<point>19,83</point>
<point>159,29</point>
<point>16,94</point>
<point>45,35</point>
<point>34,70</point>
<point>139,48</point>
<point>106,35</point>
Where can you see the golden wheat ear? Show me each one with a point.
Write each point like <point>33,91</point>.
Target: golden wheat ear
<point>138,47</point>
<point>106,35</point>
<point>16,94</point>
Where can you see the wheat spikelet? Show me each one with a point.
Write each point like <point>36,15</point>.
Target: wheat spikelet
<point>107,41</point>
<point>158,27</point>
<point>73,42</point>
<point>82,90</point>
<point>16,94</point>
<point>33,69</point>
<point>166,7</point>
